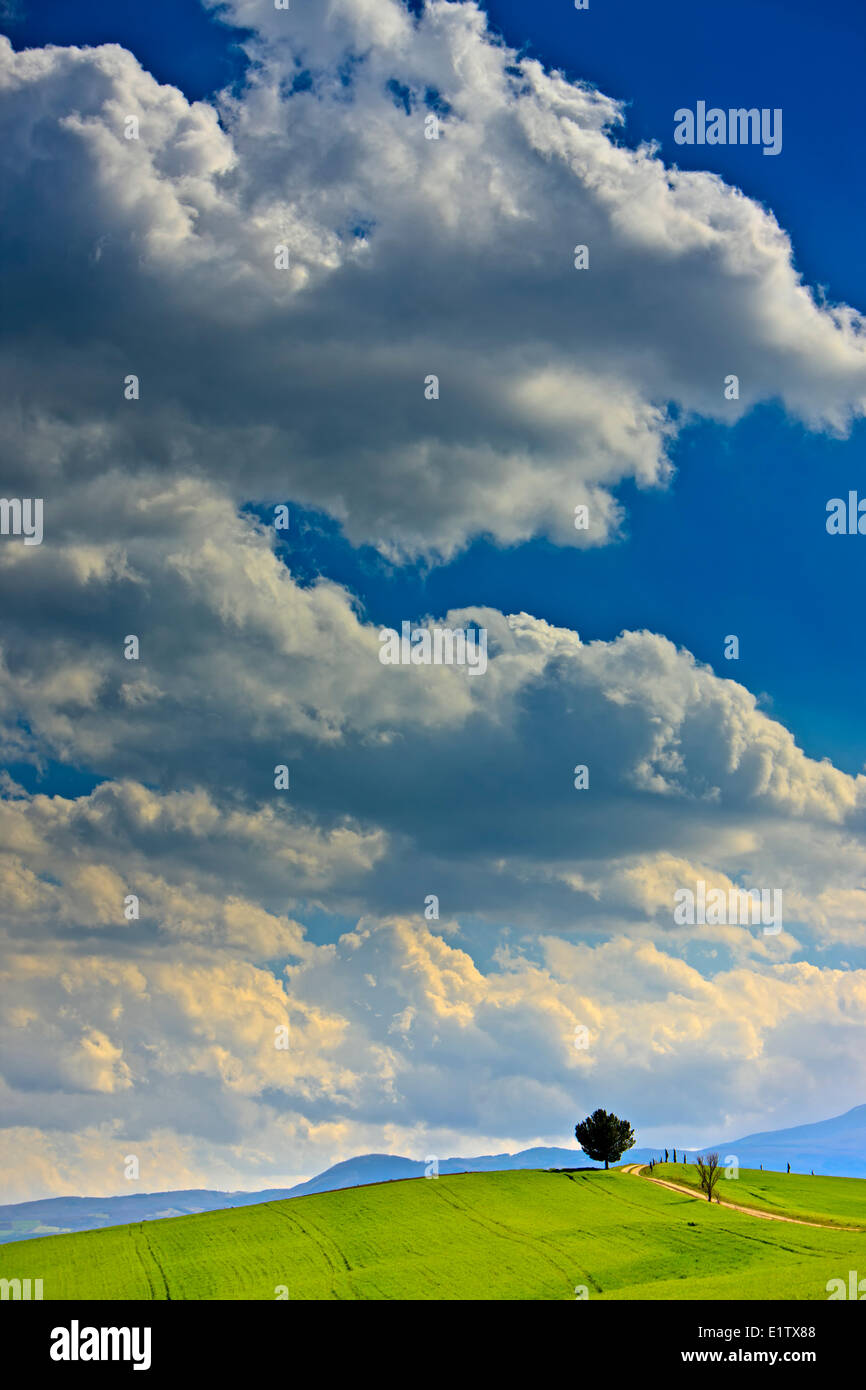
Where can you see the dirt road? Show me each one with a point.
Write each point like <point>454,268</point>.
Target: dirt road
<point>635,1169</point>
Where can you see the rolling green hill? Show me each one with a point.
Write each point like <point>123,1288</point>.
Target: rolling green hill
<point>512,1235</point>
<point>835,1201</point>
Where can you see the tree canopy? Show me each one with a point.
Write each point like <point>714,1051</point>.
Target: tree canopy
<point>604,1137</point>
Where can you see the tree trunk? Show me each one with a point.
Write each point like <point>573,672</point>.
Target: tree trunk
<point>605,1165</point>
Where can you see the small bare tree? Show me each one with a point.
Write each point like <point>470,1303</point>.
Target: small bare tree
<point>710,1172</point>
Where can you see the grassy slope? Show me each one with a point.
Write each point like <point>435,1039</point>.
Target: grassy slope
<point>836,1201</point>
<point>521,1235</point>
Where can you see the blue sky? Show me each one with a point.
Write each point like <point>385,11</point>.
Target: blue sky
<point>155,255</point>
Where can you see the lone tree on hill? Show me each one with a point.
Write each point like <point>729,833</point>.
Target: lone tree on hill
<point>710,1172</point>
<point>604,1137</point>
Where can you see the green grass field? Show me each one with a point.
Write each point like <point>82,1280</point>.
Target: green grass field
<point>523,1235</point>
<point>835,1201</point>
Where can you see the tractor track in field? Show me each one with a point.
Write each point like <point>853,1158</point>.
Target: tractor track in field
<point>501,1230</point>
<point>326,1245</point>
<point>156,1260</point>
<point>635,1170</point>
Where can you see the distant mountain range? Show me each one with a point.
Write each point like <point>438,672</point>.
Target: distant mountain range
<point>835,1147</point>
